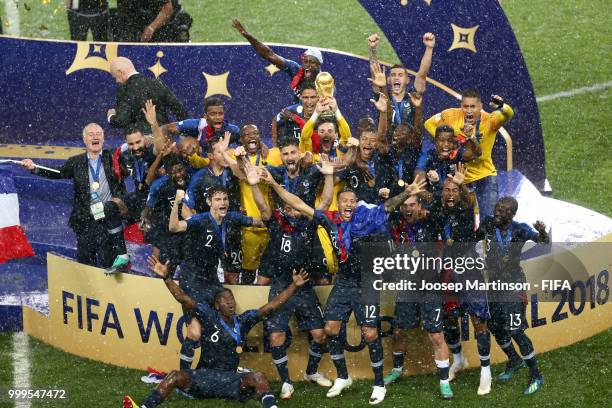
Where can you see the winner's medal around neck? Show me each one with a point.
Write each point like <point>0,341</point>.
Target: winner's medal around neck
<point>95,186</point>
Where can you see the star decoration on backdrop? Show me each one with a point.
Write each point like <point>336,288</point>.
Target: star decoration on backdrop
<point>158,69</point>
<point>216,84</point>
<point>464,38</point>
<point>405,2</point>
<point>272,69</point>
<point>93,56</point>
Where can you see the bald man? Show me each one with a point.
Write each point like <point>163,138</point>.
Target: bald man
<point>133,92</point>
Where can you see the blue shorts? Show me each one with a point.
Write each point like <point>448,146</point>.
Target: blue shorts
<point>207,383</point>
<point>304,304</point>
<point>344,300</point>
<point>507,318</point>
<point>430,311</point>
<point>475,303</point>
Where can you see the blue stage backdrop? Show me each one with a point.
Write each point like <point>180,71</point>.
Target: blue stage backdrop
<point>51,89</point>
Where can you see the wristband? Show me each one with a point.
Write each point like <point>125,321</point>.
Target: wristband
<point>167,277</point>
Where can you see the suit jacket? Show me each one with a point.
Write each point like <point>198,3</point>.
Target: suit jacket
<point>131,99</point>
<point>77,169</point>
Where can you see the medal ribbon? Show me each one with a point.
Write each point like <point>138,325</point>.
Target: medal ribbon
<point>220,230</point>
<point>139,169</point>
<point>372,168</point>
<point>448,232</point>
<point>343,233</point>
<point>95,173</point>
<point>235,332</point>
<point>400,168</point>
<point>504,244</point>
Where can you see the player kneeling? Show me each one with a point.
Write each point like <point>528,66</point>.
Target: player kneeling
<point>223,336</point>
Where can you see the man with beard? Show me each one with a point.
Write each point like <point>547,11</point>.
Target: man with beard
<point>207,234</point>
<point>290,247</point>
<point>95,216</point>
<point>213,122</point>
<point>327,128</point>
<point>471,121</point>
<point>254,239</point>
<point>290,121</point>
<point>442,160</point>
<point>156,215</point>
<point>414,229</point>
<point>217,173</point>
<point>505,239</point>
<point>457,227</point>
<point>402,111</point>
<point>351,226</point>
<point>371,177</point>
<point>312,59</point>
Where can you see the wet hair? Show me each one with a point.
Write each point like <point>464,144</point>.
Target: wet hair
<point>214,139</point>
<point>132,128</point>
<point>444,129</point>
<point>331,120</point>
<point>219,293</point>
<point>510,202</point>
<point>216,190</point>
<point>307,85</point>
<point>170,161</point>
<point>398,66</point>
<point>212,101</point>
<point>287,141</point>
<point>345,190</point>
<point>471,93</point>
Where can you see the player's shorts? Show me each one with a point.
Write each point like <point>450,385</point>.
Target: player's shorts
<point>207,383</point>
<point>429,310</point>
<point>343,300</point>
<point>475,303</point>
<point>507,317</point>
<point>254,243</point>
<point>304,304</point>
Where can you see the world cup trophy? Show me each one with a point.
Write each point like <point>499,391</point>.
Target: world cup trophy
<point>324,83</point>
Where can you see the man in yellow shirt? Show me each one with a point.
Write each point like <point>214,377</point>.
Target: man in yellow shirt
<point>470,121</point>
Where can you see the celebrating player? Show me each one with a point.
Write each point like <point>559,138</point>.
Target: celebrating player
<point>223,338</point>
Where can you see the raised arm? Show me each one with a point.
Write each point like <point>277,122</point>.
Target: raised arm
<point>502,112</point>
<point>541,228</point>
<point>299,279</point>
<point>162,18</point>
<point>327,195</point>
<point>252,176</point>
<point>163,271</point>
<point>417,186</point>
<point>260,48</point>
<point>383,124</point>
<point>291,199</point>
<point>177,225</point>
<point>429,40</point>
<point>66,171</point>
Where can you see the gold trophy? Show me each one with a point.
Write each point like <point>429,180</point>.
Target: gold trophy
<point>324,83</point>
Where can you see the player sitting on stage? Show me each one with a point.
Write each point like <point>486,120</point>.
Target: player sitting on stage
<point>505,239</point>
<point>223,338</point>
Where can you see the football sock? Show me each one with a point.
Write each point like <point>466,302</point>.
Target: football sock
<point>398,360</point>
<point>336,349</point>
<point>153,400</point>
<point>315,353</point>
<point>376,361</point>
<point>527,351</point>
<point>279,356</point>
<point>483,340</point>
<point>187,352</point>
<point>443,367</point>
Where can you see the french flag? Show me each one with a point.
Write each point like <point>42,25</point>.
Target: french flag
<point>13,241</point>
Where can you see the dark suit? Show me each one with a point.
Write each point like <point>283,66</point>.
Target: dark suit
<point>93,239</point>
<point>131,99</point>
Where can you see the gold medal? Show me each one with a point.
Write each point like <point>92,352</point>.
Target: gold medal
<point>450,241</point>
<point>371,182</point>
<point>239,349</point>
<point>401,183</point>
<point>95,185</point>
<point>506,258</point>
